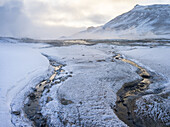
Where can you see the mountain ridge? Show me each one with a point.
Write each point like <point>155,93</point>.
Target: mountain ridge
<point>142,21</point>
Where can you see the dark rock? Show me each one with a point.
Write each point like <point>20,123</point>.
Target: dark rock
<point>101,60</point>
<point>52,84</point>
<point>63,79</point>
<point>57,81</point>
<point>34,89</point>
<point>32,96</point>
<point>47,87</point>
<point>65,102</point>
<point>128,113</point>
<point>49,99</point>
<point>142,85</point>
<point>117,58</point>
<point>48,90</point>
<point>145,76</point>
<point>16,112</point>
<point>69,76</point>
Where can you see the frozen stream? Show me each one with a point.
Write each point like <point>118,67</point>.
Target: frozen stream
<point>84,91</point>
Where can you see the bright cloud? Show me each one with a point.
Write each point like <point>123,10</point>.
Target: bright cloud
<point>54,18</point>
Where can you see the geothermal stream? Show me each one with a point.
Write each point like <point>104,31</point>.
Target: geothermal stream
<point>32,108</point>
<point>130,92</point>
<point>125,104</point>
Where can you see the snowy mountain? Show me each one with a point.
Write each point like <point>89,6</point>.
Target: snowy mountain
<point>151,21</point>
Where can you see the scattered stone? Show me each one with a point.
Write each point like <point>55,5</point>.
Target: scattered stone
<point>145,75</point>
<point>128,113</point>
<point>117,58</point>
<point>101,60</point>
<point>142,85</point>
<point>34,89</point>
<point>47,87</point>
<point>48,90</point>
<point>49,99</point>
<point>65,102</point>
<point>52,84</point>
<point>112,60</point>
<point>69,76</point>
<point>32,96</point>
<point>28,104</point>
<point>16,112</point>
<point>63,79</point>
<point>57,81</point>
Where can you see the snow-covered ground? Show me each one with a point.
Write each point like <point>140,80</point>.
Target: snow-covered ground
<point>156,59</point>
<point>96,77</point>
<point>92,89</point>
<point>19,67</point>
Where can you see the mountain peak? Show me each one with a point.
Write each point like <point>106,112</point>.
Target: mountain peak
<point>141,20</point>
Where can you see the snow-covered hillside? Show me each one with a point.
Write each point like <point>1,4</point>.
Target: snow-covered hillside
<point>151,21</point>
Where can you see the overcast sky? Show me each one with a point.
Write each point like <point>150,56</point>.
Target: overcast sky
<point>54,18</point>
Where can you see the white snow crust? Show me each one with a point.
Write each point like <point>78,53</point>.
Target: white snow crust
<point>19,66</point>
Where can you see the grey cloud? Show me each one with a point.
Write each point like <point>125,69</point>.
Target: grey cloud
<point>13,21</point>
<point>44,18</point>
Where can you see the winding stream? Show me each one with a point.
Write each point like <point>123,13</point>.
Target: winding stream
<point>125,104</point>
<point>130,92</point>
<point>32,108</point>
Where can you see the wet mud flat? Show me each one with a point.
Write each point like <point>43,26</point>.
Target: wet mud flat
<point>32,108</point>
<point>132,91</point>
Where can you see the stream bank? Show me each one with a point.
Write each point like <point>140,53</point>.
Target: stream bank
<point>131,92</point>
<point>32,108</point>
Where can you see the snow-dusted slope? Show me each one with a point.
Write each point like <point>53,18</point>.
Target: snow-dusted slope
<point>20,67</point>
<point>151,21</point>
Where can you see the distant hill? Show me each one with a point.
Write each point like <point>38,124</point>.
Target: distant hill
<point>151,21</point>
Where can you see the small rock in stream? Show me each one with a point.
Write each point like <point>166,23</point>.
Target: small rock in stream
<point>32,96</point>
<point>47,87</point>
<point>49,99</point>
<point>145,76</point>
<point>16,112</point>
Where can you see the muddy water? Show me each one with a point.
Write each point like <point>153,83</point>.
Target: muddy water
<point>32,108</point>
<point>129,93</point>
